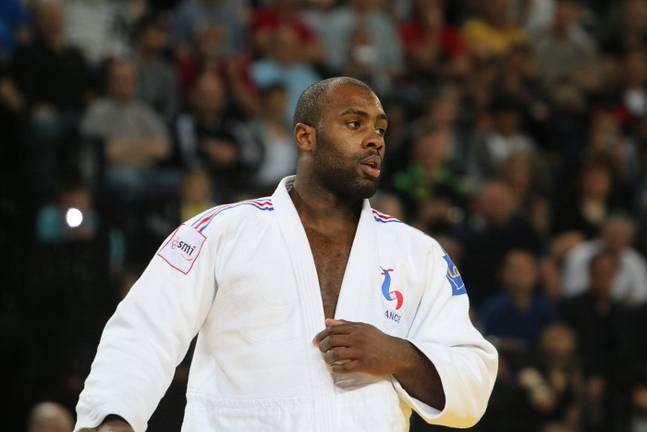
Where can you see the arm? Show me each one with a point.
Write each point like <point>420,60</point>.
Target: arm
<point>136,150</point>
<point>150,332</point>
<point>358,347</point>
<point>444,370</point>
<point>154,146</point>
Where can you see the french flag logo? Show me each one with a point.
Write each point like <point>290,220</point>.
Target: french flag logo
<point>386,289</point>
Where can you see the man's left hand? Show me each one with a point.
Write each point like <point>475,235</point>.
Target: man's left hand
<point>360,347</point>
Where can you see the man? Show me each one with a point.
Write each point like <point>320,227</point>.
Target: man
<point>315,312</point>
<point>135,137</point>
<point>603,328</point>
<point>630,281</point>
<point>518,314</point>
<point>494,228</point>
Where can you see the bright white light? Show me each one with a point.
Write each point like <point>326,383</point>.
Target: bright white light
<point>74,217</point>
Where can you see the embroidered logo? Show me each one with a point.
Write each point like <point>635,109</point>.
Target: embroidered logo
<point>182,249</point>
<point>391,296</point>
<point>386,289</point>
<point>454,277</point>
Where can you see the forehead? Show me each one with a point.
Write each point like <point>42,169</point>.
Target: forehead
<point>344,96</point>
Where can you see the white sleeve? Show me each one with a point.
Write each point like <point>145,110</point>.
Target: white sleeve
<point>150,332</point>
<point>465,361</point>
<point>575,276</point>
<point>639,275</point>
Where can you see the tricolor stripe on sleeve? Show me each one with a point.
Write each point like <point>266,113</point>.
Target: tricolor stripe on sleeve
<point>205,218</point>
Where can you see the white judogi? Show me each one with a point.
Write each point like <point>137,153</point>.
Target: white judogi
<point>243,277</point>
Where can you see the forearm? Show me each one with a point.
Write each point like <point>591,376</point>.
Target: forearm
<point>135,150</point>
<point>418,375</point>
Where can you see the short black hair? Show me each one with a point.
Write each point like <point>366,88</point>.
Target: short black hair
<point>310,103</point>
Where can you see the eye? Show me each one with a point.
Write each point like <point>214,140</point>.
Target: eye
<point>353,124</point>
<point>381,131</point>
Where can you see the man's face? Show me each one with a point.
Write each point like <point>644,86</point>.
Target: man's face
<point>350,142</point>
<point>123,81</point>
<point>209,94</point>
<point>602,275</point>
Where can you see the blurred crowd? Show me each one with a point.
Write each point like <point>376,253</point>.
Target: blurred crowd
<point>517,137</point>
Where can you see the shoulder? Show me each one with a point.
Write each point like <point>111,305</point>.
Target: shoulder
<point>401,232</point>
<point>101,106</point>
<point>228,217</point>
<point>632,257</point>
<point>100,110</point>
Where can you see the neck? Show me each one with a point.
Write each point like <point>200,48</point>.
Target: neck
<point>315,203</point>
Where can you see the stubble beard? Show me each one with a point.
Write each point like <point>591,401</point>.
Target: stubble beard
<point>342,180</point>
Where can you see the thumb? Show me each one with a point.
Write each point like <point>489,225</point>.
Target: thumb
<point>335,322</point>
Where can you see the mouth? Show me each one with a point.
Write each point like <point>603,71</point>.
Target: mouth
<point>371,166</point>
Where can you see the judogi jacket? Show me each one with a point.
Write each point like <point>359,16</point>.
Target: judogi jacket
<point>242,277</point>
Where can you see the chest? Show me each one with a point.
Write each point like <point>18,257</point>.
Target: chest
<point>330,251</point>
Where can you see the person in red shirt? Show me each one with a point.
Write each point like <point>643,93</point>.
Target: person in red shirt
<point>277,14</point>
<point>430,43</point>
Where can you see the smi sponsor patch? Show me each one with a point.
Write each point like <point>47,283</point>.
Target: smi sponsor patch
<point>183,248</point>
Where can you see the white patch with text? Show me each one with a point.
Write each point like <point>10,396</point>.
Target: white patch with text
<point>183,248</point>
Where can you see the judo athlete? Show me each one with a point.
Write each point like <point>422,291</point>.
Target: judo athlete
<point>314,312</point>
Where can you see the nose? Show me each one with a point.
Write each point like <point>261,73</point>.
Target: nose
<point>374,140</point>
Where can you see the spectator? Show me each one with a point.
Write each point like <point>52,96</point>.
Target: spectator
<point>432,184</point>
<point>586,208</point>
<point>554,383</point>
<point>624,27</point>
<point>271,138</point>
<point>210,56</point>
<point>433,47</point>
<point>518,314</point>
<point>638,420</point>
<point>204,137</point>
<point>601,326</point>
<point>493,33</point>
<point>520,173</point>
<point>565,48</point>
<point>362,34</point>
<point>135,138</point>
<point>284,65</point>
<point>196,194</point>
<point>14,26</point>
<point>47,54</point>
<point>53,104</point>
<point>634,92</point>
<point>266,20</point>
<point>228,16</point>
<point>494,229</point>
<point>491,148</point>
<point>102,28</point>
<point>157,83</point>
<point>616,237</point>
<point>50,417</point>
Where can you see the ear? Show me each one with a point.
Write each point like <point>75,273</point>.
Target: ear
<point>305,136</point>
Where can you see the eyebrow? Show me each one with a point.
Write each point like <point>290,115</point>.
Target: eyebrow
<point>362,113</point>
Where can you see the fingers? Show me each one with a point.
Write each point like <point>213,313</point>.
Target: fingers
<point>334,330</point>
<point>333,322</point>
<point>339,356</point>
<point>333,341</point>
<point>346,366</point>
